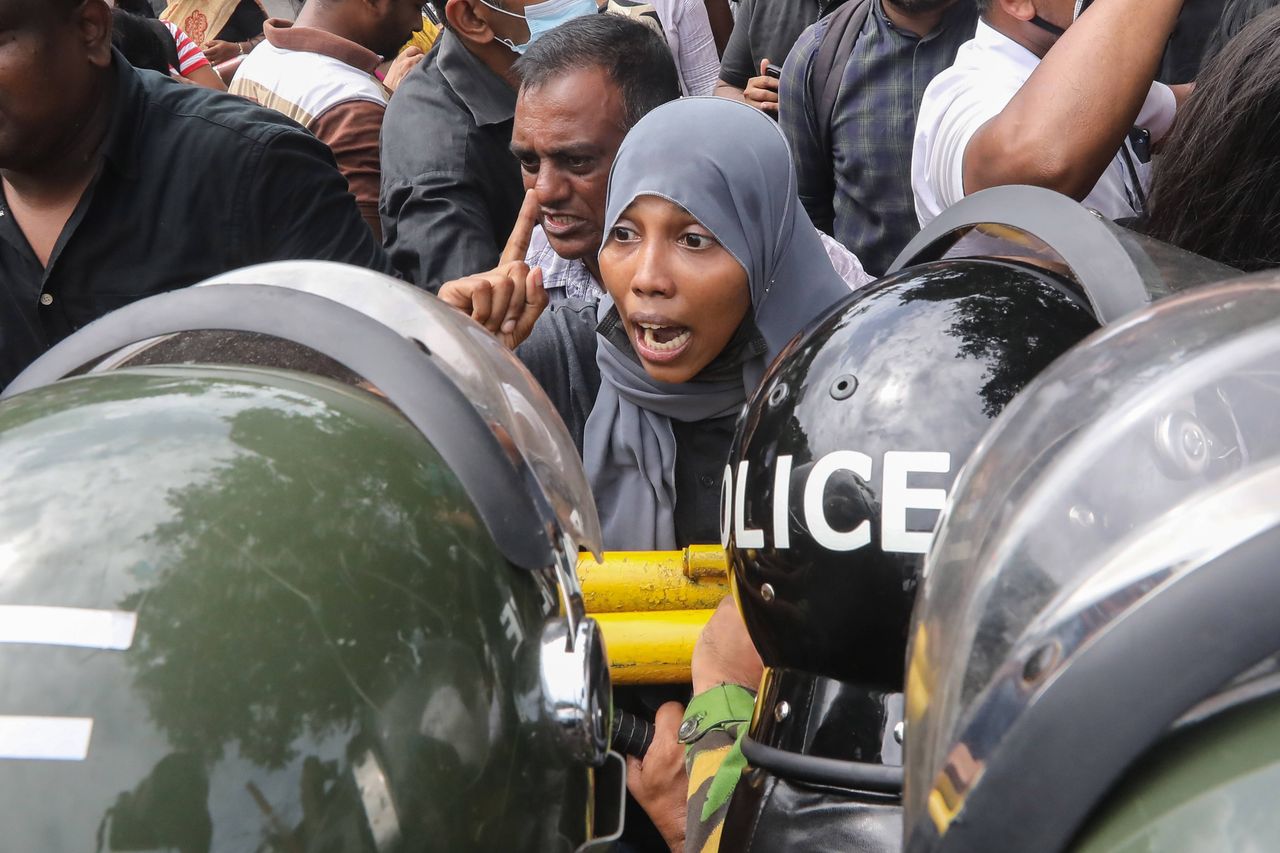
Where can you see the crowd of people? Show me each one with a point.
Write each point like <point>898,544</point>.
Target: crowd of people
<point>645,200</point>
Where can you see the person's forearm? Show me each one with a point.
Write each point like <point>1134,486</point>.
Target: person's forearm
<point>207,77</point>
<point>728,90</point>
<point>1068,121</point>
<point>721,19</point>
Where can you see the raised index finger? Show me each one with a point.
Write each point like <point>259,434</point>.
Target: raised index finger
<point>518,243</point>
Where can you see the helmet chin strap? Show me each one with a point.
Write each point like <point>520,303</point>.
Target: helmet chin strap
<point>1050,27</point>
<point>1047,26</point>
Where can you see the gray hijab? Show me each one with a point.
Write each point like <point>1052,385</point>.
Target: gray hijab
<point>729,166</point>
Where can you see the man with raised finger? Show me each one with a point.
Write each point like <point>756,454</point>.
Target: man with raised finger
<point>450,188</point>
<point>508,299</point>
<point>582,87</point>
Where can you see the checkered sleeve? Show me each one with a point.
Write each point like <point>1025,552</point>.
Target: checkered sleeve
<point>810,154</point>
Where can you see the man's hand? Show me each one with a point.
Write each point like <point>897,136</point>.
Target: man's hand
<point>659,782</point>
<point>762,91</point>
<point>218,51</point>
<point>724,653</point>
<point>401,66</point>
<point>508,299</point>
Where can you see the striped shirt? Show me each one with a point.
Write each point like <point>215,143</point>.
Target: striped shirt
<point>326,84</point>
<point>190,56</point>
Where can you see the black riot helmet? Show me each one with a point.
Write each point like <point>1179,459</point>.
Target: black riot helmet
<point>844,457</point>
<point>849,450</point>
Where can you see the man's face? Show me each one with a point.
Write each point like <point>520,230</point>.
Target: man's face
<point>566,134</point>
<point>51,59</point>
<point>397,21</point>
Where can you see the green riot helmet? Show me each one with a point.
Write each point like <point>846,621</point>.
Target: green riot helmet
<point>251,608</point>
<point>1094,630</point>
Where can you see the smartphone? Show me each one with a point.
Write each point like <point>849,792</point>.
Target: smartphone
<point>774,71</point>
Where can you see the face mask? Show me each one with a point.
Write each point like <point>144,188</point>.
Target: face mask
<point>541,17</point>
<point>1040,22</point>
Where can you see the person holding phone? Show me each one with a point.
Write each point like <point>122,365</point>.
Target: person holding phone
<point>763,34</point>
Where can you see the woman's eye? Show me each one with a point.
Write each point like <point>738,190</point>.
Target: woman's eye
<point>696,241</point>
<point>622,234</point>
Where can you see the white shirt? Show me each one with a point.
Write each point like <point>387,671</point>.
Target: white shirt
<point>688,31</point>
<point>989,70</point>
<point>571,279</point>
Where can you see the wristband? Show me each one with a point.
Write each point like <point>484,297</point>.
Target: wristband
<point>715,710</point>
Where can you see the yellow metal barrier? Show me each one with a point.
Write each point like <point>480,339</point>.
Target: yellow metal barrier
<point>645,581</point>
<point>651,648</point>
<point>651,605</point>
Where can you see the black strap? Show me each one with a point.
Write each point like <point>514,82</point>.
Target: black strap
<point>1137,196</point>
<point>834,51</point>
<point>816,770</point>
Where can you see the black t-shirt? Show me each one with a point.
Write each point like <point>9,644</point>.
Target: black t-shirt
<point>192,183</point>
<point>245,22</point>
<point>766,29</point>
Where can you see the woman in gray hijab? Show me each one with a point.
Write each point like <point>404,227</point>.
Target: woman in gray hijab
<point>711,266</point>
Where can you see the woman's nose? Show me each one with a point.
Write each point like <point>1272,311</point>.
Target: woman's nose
<point>652,275</point>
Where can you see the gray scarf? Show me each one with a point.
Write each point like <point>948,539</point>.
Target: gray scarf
<point>729,166</point>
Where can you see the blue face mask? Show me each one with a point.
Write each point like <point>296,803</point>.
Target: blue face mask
<point>544,16</point>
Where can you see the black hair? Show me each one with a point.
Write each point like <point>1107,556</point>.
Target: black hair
<point>145,43</point>
<point>1216,190</point>
<point>1235,17</point>
<point>141,8</point>
<point>636,58</point>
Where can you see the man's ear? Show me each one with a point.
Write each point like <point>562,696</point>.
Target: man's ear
<point>468,21</point>
<point>93,22</point>
<point>1023,10</point>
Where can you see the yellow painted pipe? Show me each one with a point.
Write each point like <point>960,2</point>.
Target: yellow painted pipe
<point>648,581</point>
<point>651,648</point>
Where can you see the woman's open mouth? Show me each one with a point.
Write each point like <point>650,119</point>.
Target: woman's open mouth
<point>659,342</point>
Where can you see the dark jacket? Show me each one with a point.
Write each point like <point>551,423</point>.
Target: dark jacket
<point>192,183</point>
<point>451,188</point>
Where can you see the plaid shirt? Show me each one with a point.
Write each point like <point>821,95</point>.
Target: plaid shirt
<point>562,279</point>
<point>859,188</point>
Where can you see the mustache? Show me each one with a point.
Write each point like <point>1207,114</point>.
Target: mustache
<point>913,7</point>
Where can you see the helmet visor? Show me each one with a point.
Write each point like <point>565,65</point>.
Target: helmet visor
<point>507,397</point>
<point>1126,458</point>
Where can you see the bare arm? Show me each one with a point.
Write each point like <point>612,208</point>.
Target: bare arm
<point>730,91</point>
<point>721,22</point>
<point>207,77</point>
<point>1070,118</point>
